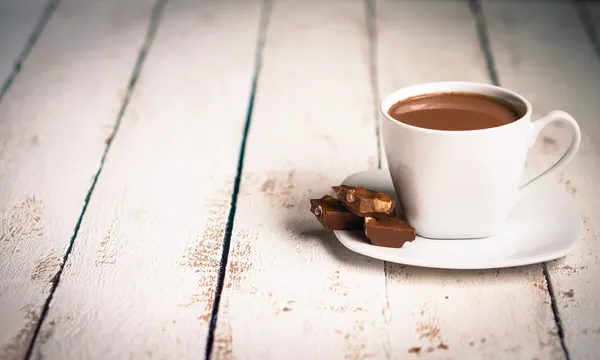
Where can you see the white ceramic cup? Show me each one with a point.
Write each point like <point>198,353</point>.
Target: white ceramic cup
<point>463,184</point>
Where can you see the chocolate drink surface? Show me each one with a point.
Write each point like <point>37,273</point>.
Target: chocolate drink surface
<point>455,111</point>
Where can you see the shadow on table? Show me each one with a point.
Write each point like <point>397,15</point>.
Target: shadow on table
<point>309,230</point>
<point>515,278</point>
<point>509,277</point>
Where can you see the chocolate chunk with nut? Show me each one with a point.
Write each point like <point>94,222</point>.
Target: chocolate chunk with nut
<point>333,215</point>
<point>388,232</point>
<point>364,202</point>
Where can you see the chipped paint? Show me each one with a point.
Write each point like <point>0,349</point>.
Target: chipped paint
<point>46,268</point>
<point>23,221</point>
<point>223,347</point>
<point>414,350</point>
<point>278,186</point>
<point>240,259</point>
<point>268,185</point>
<point>336,285</point>
<point>430,332</point>
<point>105,253</point>
<point>286,192</point>
<point>286,308</point>
<point>570,293</point>
<point>17,346</point>
<point>238,268</point>
<point>353,339</point>
<point>570,188</point>
<point>354,346</point>
<point>47,333</point>
<point>203,255</point>
<point>566,183</point>
<point>283,194</point>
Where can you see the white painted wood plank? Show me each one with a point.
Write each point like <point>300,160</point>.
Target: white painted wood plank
<point>54,121</point>
<point>291,290</point>
<point>18,19</point>
<point>437,314</point>
<point>150,242</point>
<point>434,41</point>
<point>542,51</point>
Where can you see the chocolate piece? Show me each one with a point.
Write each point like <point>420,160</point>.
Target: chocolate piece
<point>364,202</point>
<point>392,214</point>
<point>388,232</point>
<point>333,215</point>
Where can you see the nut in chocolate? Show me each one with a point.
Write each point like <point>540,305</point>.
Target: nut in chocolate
<point>363,202</point>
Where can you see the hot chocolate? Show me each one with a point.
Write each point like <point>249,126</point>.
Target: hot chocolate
<point>455,111</point>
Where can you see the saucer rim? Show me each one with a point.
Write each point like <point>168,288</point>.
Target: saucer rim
<point>349,240</point>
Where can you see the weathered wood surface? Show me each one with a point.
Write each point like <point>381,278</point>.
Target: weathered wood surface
<point>560,70</point>
<point>54,121</point>
<point>291,289</point>
<point>141,277</point>
<point>438,314</point>
<point>150,242</point>
<point>18,19</point>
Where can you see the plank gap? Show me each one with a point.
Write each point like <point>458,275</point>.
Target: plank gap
<point>33,38</point>
<point>588,25</point>
<point>150,35</point>
<point>484,41</point>
<point>262,32</point>
<point>482,32</point>
<point>371,20</point>
<point>555,312</point>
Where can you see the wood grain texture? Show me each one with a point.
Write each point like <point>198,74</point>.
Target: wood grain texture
<point>54,121</point>
<point>18,19</point>
<point>291,289</point>
<point>150,243</point>
<point>438,314</point>
<point>560,70</point>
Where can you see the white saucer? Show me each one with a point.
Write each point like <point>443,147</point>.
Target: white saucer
<point>544,225</point>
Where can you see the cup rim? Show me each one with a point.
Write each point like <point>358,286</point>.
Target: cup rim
<point>452,86</point>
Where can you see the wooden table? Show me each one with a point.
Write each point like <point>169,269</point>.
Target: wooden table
<point>156,161</point>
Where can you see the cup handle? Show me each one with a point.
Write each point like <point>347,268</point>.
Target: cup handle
<point>536,127</point>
